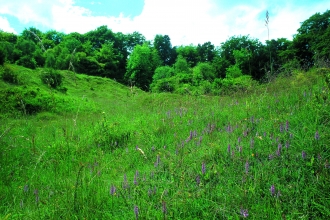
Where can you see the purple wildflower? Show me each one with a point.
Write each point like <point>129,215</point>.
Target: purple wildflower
<point>279,147</point>
<point>317,136</point>
<point>240,149</point>
<point>287,126</point>
<point>247,166</point>
<point>125,183</point>
<point>251,143</point>
<point>239,140</point>
<point>198,180</point>
<point>136,211</point>
<point>303,154</point>
<point>272,190</point>
<point>150,192</point>
<point>287,144</point>
<point>245,133</point>
<point>36,193</point>
<point>291,135</point>
<point>136,176</point>
<point>281,127</point>
<point>228,148</point>
<point>244,213</point>
<point>203,168</point>
<point>164,209</point>
<point>112,190</point>
<point>229,129</point>
<point>26,188</point>
<point>278,152</point>
<point>190,136</point>
<point>157,161</point>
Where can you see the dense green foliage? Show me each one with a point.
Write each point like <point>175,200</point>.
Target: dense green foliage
<point>107,151</point>
<point>102,52</point>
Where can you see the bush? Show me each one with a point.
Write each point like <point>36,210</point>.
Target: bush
<point>9,75</point>
<point>163,85</point>
<point>27,62</point>
<point>52,78</point>
<point>163,72</point>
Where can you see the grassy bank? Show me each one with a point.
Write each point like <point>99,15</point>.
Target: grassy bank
<point>100,150</point>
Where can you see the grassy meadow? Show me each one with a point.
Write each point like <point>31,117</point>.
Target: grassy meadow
<point>95,149</point>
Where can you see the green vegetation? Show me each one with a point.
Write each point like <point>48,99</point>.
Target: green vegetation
<point>197,69</point>
<point>103,150</point>
<point>222,133</point>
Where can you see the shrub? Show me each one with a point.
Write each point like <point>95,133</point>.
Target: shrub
<point>163,72</point>
<point>27,62</point>
<point>163,85</point>
<point>9,75</point>
<point>52,78</point>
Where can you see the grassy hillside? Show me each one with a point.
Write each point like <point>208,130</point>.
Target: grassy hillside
<point>95,149</point>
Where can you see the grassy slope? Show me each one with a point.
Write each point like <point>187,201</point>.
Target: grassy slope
<point>63,162</point>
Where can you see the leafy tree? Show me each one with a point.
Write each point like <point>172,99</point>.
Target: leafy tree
<point>8,37</point>
<point>203,71</point>
<point>100,36</point>
<point>189,53</point>
<point>23,53</point>
<point>311,40</point>
<point>109,59</point>
<point>50,61</point>
<point>181,65</point>
<point>72,44</point>
<point>182,70</point>
<point>82,38</point>
<point>163,72</point>
<point>62,57</point>
<point>131,40</point>
<point>88,65</point>
<point>141,66</point>
<point>39,57</point>
<point>121,54</point>
<point>164,47</point>
<point>2,55</point>
<point>254,65</point>
<point>54,36</point>
<point>206,52</point>
<point>33,34</point>
<point>278,49</point>
<point>7,44</point>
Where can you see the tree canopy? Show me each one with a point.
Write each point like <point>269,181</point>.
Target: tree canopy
<point>130,58</point>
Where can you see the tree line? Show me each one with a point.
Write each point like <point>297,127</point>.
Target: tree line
<point>158,66</point>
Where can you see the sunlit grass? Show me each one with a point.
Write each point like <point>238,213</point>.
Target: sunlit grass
<point>117,153</point>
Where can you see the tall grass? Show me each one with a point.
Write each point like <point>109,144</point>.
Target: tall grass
<point>262,155</point>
